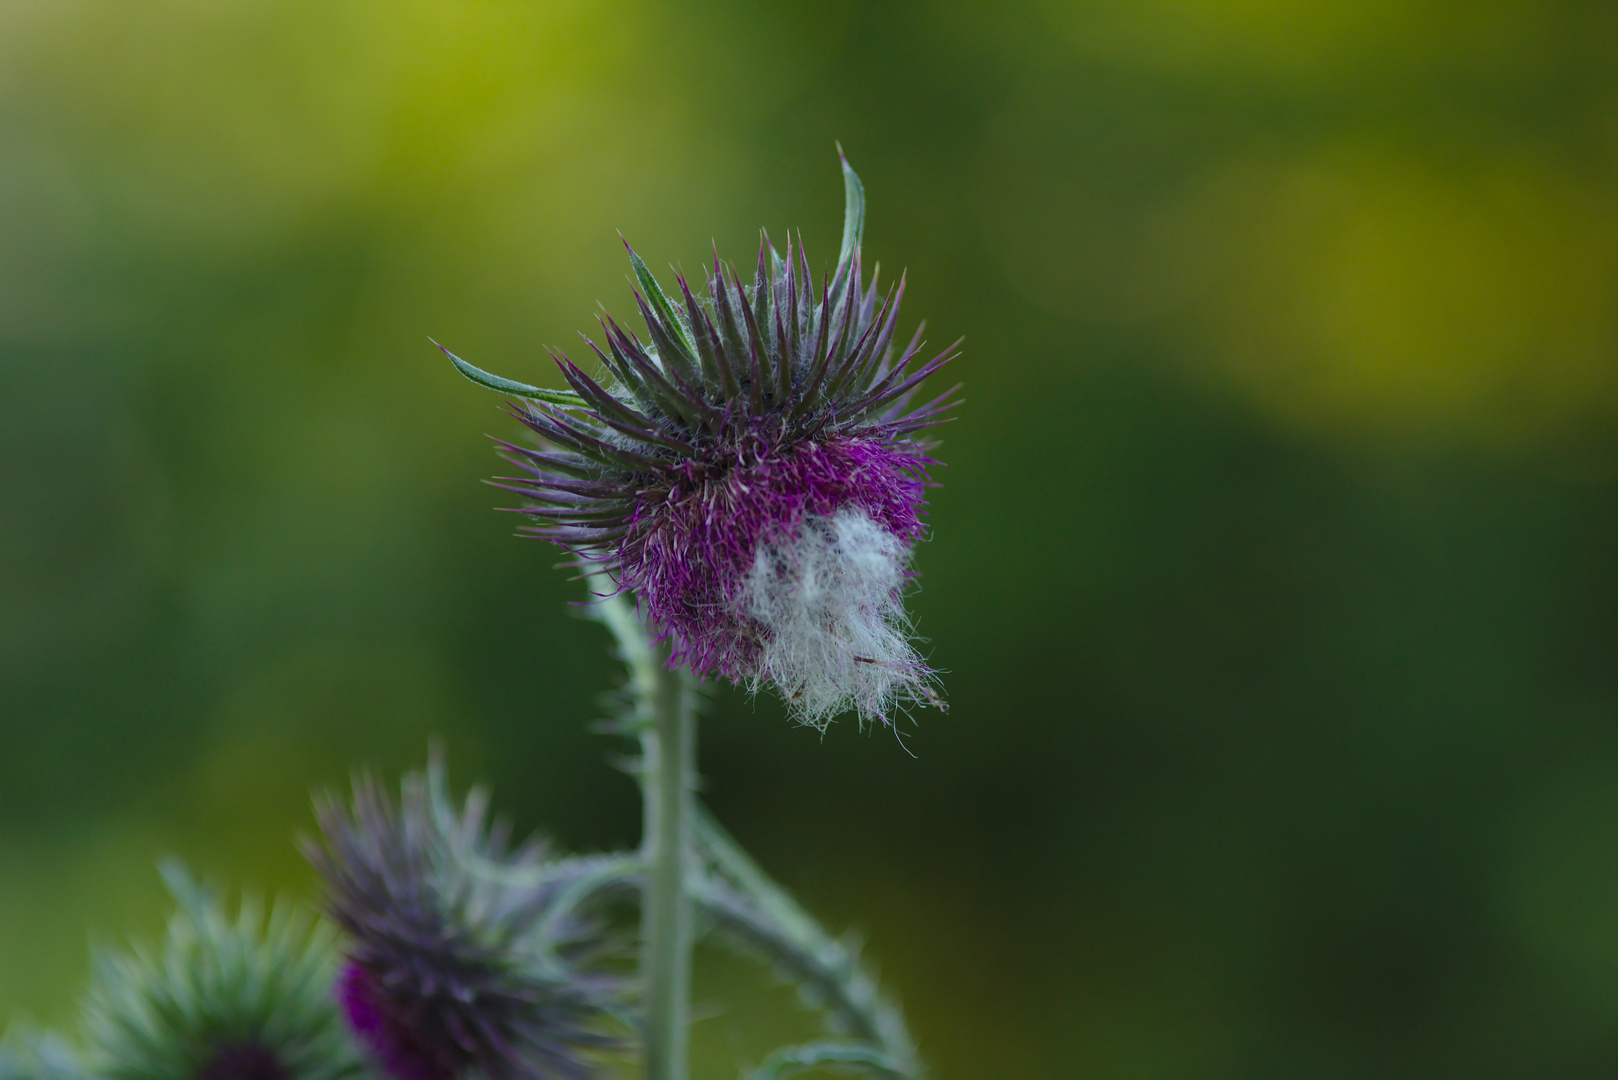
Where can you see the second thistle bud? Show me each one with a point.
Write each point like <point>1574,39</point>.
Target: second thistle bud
<point>447,972</point>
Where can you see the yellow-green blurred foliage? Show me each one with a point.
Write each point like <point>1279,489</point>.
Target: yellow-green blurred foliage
<point>1276,562</point>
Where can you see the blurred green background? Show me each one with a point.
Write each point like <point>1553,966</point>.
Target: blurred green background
<point>1275,563</point>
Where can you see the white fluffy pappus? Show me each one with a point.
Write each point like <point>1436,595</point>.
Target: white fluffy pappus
<point>836,636</point>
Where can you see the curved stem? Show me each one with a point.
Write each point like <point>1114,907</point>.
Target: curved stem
<point>790,1060</point>
<point>828,971</point>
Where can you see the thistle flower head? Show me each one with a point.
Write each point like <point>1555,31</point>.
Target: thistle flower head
<point>446,973</point>
<point>247,998</point>
<point>752,472</point>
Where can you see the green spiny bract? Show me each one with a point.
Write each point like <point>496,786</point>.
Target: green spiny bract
<point>37,1055</point>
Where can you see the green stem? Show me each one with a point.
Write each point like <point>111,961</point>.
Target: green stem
<point>688,855</point>
<point>668,752</point>
<point>665,719</point>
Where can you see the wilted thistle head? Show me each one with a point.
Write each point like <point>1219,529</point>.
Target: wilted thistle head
<point>222,999</point>
<point>752,473</point>
<point>446,975</point>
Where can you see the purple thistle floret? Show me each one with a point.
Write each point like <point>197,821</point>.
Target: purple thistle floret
<point>443,977</point>
<point>752,472</point>
<point>387,1031</point>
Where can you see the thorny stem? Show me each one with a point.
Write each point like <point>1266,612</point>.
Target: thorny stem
<point>791,1060</point>
<point>761,912</point>
<point>666,719</point>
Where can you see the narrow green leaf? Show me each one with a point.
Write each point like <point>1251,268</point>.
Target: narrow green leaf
<point>853,210</point>
<point>845,280</point>
<point>565,398</point>
<point>662,304</point>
